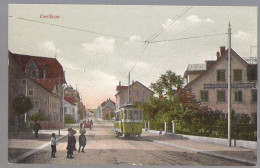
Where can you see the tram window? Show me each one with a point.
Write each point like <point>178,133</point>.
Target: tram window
<point>121,115</point>
<point>125,115</point>
<point>136,115</point>
<point>130,114</point>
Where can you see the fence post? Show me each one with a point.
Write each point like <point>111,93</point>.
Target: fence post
<point>173,127</point>
<point>148,125</point>
<point>165,128</point>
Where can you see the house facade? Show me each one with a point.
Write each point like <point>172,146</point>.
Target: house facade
<point>138,93</point>
<point>70,108</point>
<point>107,109</point>
<point>209,84</point>
<point>40,79</point>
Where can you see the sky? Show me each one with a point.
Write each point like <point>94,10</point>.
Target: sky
<point>98,45</point>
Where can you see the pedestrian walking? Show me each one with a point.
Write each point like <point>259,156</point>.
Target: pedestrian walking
<point>53,145</point>
<point>70,143</point>
<point>36,128</point>
<point>80,126</point>
<point>82,140</point>
<point>91,124</point>
<point>74,140</point>
<point>160,133</point>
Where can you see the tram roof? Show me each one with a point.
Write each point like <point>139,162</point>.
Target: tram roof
<point>128,106</point>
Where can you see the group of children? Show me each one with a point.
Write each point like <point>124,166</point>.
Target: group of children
<point>71,143</point>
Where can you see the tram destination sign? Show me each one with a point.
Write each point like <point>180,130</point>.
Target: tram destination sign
<point>233,85</point>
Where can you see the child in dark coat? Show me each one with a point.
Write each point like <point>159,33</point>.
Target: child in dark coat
<point>82,140</point>
<point>70,143</point>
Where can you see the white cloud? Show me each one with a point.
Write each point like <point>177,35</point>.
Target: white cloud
<point>66,64</point>
<point>240,35</point>
<point>141,65</point>
<point>49,48</point>
<point>100,45</point>
<point>196,19</point>
<point>188,21</point>
<point>132,39</point>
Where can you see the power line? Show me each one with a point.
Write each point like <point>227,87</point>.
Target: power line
<point>177,17</point>
<point>72,28</point>
<point>186,38</point>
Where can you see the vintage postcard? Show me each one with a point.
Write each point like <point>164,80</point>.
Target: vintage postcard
<point>132,85</point>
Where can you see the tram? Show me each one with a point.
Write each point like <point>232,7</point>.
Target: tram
<point>128,121</point>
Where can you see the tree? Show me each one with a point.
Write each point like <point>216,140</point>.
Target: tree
<point>21,105</point>
<point>37,117</point>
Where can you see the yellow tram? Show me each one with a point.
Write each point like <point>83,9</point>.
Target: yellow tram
<point>128,121</point>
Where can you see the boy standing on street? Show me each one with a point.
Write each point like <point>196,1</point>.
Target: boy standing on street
<point>53,145</point>
<point>70,143</point>
<point>82,140</point>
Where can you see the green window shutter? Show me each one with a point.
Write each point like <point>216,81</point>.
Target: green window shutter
<point>237,74</point>
<point>221,96</point>
<point>204,95</point>
<point>238,95</point>
<point>254,96</point>
<point>221,75</point>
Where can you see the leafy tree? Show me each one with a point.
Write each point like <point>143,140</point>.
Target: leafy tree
<point>37,117</point>
<point>21,104</point>
<point>68,119</point>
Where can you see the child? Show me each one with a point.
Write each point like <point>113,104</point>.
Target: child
<point>53,145</point>
<point>74,140</point>
<point>70,143</point>
<point>82,140</point>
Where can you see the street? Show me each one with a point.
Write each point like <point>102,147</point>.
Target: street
<point>103,147</point>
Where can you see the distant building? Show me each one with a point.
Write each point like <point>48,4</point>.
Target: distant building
<point>70,108</point>
<point>138,93</point>
<point>209,83</point>
<point>107,109</point>
<point>41,79</point>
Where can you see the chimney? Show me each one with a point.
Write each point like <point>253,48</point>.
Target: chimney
<point>218,55</point>
<point>222,50</point>
<point>44,73</point>
<point>119,83</point>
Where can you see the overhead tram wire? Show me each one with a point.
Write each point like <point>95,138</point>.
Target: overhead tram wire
<point>72,28</point>
<point>186,38</point>
<point>175,18</point>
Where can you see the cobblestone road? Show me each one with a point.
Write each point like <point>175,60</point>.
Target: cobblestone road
<point>103,147</point>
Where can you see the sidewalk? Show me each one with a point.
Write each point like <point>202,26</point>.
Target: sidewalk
<point>244,155</point>
<point>22,146</point>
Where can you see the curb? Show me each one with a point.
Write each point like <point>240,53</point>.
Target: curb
<point>249,163</point>
<point>25,155</point>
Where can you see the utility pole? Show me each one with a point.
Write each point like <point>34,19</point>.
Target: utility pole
<point>229,84</point>
<point>128,97</point>
<point>26,94</point>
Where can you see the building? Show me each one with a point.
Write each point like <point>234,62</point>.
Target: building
<point>107,109</point>
<point>39,78</point>
<point>208,82</point>
<point>138,93</point>
<point>70,108</point>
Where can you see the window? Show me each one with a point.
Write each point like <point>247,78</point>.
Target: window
<point>204,95</point>
<point>237,74</point>
<point>30,92</point>
<point>221,75</point>
<point>23,81</point>
<point>252,73</point>
<point>221,96</point>
<point>36,104</point>
<point>238,95</point>
<point>254,96</point>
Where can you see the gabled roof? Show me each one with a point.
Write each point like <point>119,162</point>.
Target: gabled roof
<point>52,66</point>
<point>104,102</point>
<point>47,83</point>
<point>136,82</point>
<point>225,54</point>
<point>71,100</point>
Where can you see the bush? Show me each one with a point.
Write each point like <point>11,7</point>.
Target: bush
<point>68,119</point>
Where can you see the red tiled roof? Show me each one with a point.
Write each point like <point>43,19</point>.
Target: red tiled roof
<point>119,88</point>
<point>52,66</point>
<point>225,54</point>
<point>47,83</point>
<point>71,100</point>
<point>125,87</point>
